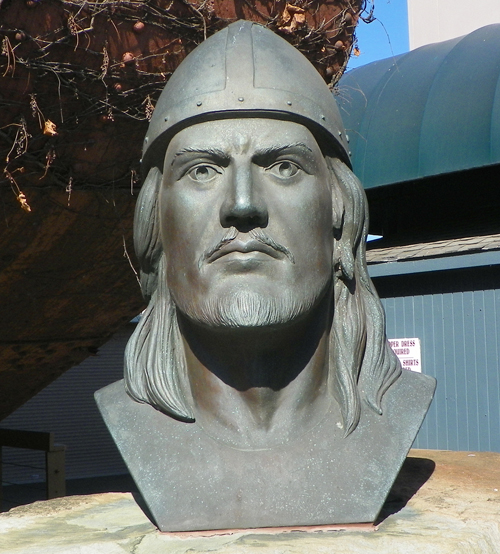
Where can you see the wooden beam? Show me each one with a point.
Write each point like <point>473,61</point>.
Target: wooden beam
<point>467,245</point>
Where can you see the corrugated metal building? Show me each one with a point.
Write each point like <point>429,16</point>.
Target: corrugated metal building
<point>425,138</point>
<point>456,315</point>
<point>67,408</point>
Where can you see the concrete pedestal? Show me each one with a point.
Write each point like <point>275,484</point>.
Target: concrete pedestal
<point>442,503</point>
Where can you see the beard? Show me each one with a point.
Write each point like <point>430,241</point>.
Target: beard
<point>249,309</point>
<point>256,305</point>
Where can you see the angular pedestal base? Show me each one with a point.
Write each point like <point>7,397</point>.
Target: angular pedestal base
<point>448,502</point>
<point>192,482</point>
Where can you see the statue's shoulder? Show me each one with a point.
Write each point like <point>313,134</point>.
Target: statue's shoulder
<point>404,406</point>
<point>121,413</point>
<point>116,405</point>
<point>353,473</point>
<point>412,390</point>
<point>415,379</point>
<point>112,394</point>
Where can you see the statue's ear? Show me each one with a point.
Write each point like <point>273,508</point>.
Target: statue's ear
<point>343,257</point>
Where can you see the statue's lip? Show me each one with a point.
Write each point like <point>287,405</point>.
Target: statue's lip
<point>238,245</point>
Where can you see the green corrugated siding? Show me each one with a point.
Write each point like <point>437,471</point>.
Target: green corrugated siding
<point>434,110</point>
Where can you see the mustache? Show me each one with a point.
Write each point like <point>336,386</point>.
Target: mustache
<point>257,234</point>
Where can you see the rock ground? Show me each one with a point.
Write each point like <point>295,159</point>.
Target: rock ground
<point>443,502</point>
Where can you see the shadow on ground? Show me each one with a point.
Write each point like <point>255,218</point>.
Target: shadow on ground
<point>414,473</point>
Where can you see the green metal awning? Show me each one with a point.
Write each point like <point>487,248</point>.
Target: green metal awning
<point>431,111</point>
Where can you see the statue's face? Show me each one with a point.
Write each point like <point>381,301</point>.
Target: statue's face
<point>246,221</point>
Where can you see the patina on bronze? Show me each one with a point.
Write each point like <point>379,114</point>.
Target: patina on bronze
<point>261,388</point>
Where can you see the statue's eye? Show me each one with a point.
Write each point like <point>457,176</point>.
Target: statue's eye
<point>284,170</point>
<point>203,173</point>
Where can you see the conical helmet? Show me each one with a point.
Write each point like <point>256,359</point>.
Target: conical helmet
<point>244,70</point>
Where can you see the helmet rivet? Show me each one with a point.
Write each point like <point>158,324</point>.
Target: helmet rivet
<point>198,103</point>
<point>166,119</point>
<point>146,139</point>
<point>347,138</point>
<point>323,117</point>
<point>340,133</point>
<point>240,99</point>
<point>289,103</point>
<point>350,153</point>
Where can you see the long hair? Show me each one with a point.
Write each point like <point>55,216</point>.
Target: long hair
<point>361,365</point>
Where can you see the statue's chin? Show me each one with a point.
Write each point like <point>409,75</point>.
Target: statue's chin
<point>248,309</point>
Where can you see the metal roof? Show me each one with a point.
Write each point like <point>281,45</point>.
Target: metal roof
<point>431,111</point>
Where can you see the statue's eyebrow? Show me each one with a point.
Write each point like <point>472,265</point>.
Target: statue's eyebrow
<point>267,155</point>
<point>218,155</point>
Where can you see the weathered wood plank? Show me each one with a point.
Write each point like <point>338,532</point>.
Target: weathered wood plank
<point>465,245</point>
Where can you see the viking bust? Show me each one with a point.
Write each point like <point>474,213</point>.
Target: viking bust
<point>259,386</point>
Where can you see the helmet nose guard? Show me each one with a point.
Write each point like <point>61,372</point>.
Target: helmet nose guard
<point>244,70</point>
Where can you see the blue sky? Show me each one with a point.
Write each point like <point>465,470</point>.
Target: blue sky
<point>386,36</point>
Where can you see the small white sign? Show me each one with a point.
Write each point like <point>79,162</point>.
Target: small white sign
<point>408,352</point>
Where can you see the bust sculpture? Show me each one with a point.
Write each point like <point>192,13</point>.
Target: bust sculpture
<point>259,388</point>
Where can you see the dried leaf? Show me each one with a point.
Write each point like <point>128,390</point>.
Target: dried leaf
<point>295,9</point>
<point>21,197</point>
<point>49,128</point>
<point>105,63</point>
<point>291,18</point>
<point>149,108</point>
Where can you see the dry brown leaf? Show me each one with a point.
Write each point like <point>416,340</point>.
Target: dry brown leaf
<point>49,128</point>
<point>22,200</point>
<point>291,18</point>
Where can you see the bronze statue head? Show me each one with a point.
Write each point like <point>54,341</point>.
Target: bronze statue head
<point>250,224</point>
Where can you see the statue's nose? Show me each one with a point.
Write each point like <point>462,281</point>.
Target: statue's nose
<point>243,206</point>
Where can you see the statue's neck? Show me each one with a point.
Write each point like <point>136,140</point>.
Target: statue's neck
<point>259,387</point>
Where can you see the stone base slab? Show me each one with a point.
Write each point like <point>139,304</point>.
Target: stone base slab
<point>442,502</point>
